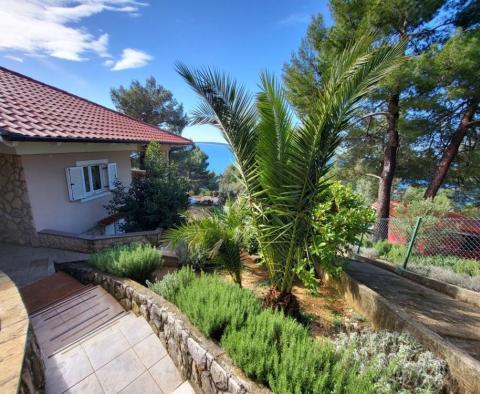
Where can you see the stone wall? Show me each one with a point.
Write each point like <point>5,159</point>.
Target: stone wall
<point>94,243</point>
<point>15,212</point>
<point>200,360</point>
<point>21,366</point>
<point>384,315</point>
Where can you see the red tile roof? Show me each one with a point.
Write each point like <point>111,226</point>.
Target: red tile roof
<point>32,110</point>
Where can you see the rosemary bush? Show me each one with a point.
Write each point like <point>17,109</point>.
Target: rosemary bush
<point>280,353</point>
<point>136,261</point>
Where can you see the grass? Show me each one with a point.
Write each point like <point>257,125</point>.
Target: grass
<point>451,269</point>
<point>280,353</point>
<point>135,261</point>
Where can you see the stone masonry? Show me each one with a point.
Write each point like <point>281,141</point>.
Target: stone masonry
<point>15,213</point>
<point>199,360</point>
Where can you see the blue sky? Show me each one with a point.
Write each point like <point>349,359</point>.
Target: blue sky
<point>88,46</point>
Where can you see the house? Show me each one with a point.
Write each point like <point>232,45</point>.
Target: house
<point>60,155</point>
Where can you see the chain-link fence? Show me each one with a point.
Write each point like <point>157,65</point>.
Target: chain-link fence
<point>447,249</point>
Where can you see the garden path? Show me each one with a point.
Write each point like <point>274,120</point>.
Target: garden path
<point>454,320</point>
<point>90,344</point>
<point>26,264</point>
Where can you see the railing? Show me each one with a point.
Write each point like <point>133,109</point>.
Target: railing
<point>447,249</point>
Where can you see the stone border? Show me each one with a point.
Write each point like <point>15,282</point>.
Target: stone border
<point>384,314</point>
<point>21,366</point>
<point>93,243</point>
<point>200,360</point>
<point>459,293</point>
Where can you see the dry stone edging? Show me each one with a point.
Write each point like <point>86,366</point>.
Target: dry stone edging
<point>384,314</point>
<point>86,243</point>
<point>199,360</point>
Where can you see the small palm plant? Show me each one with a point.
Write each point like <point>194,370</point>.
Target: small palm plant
<point>216,237</point>
<point>283,163</point>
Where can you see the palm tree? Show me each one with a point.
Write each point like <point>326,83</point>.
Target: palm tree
<point>284,163</point>
<point>216,237</point>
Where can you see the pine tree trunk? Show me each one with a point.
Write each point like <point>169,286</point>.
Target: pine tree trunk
<point>388,170</point>
<point>450,152</point>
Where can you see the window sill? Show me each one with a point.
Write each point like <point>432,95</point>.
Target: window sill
<point>96,195</point>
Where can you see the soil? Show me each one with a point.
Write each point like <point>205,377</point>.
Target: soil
<point>326,312</point>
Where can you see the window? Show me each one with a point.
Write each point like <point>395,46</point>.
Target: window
<point>90,178</point>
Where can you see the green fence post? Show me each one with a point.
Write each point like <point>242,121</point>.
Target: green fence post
<point>412,242</point>
<point>360,243</point>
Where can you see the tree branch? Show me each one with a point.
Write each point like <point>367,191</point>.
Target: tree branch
<point>473,123</point>
<point>371,114</point>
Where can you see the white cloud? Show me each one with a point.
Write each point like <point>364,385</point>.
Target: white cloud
<point>132,58</point>
<point>295,19</point>
<point>50,27</point>
<point>14,58</point>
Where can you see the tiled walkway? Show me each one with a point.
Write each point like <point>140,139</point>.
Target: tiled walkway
<point>91,345</point>
<point>25,265</point>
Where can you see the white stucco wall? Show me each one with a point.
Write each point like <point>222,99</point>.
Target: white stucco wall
<point>48,193</point>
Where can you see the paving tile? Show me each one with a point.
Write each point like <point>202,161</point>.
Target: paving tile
<point>120,372</point>
<point>105,346</point>
<point>143,384</point>
<point>184,388</point>
<point>89,385</point>
<point>48,318</point>
<point>66,369</point>
<point>135,329</point>
<point>166,374</point>
<point>74,308</point>
<point>150,350</point>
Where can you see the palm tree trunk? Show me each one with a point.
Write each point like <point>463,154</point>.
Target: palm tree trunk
<point>388,170</point>
<point>450,152</point>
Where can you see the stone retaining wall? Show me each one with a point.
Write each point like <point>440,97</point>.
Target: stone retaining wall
<point>15,212</point>
<point>387,316</point>
<point>200,360</point>
<point>459,293</point>
<point>21,366</point>
<point>94,243</point>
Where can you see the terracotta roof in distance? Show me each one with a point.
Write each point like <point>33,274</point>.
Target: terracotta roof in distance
<point>32,110</point>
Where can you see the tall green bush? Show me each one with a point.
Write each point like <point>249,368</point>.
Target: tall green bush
<point>154,200</point>
<point>339,218</point>
<point>136,261</point>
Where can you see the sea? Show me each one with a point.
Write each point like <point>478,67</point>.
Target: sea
<point>219,155</point>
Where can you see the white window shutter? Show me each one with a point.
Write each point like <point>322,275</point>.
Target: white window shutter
<point>75,183</point>
<point>112,175</point>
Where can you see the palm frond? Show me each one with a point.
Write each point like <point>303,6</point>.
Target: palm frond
<point>285,166</point>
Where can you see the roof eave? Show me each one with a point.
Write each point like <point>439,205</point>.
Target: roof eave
<point>9,136</point>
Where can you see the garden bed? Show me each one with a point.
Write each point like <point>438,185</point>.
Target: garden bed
<point>200,360</point>
<point>326,313</point>
<point>327,349</point>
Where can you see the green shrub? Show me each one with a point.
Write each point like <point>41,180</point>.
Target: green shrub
<point>382,247</point>
<point>279,352</point>
<point>409,365</point>
<point>135,261</point>
<point>338,219</point>
<point>172,283</point>
<point>154,200</point>
<point>213,305</point>
<point>396,254</point>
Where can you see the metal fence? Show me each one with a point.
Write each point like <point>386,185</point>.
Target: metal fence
<point>442,246</point>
